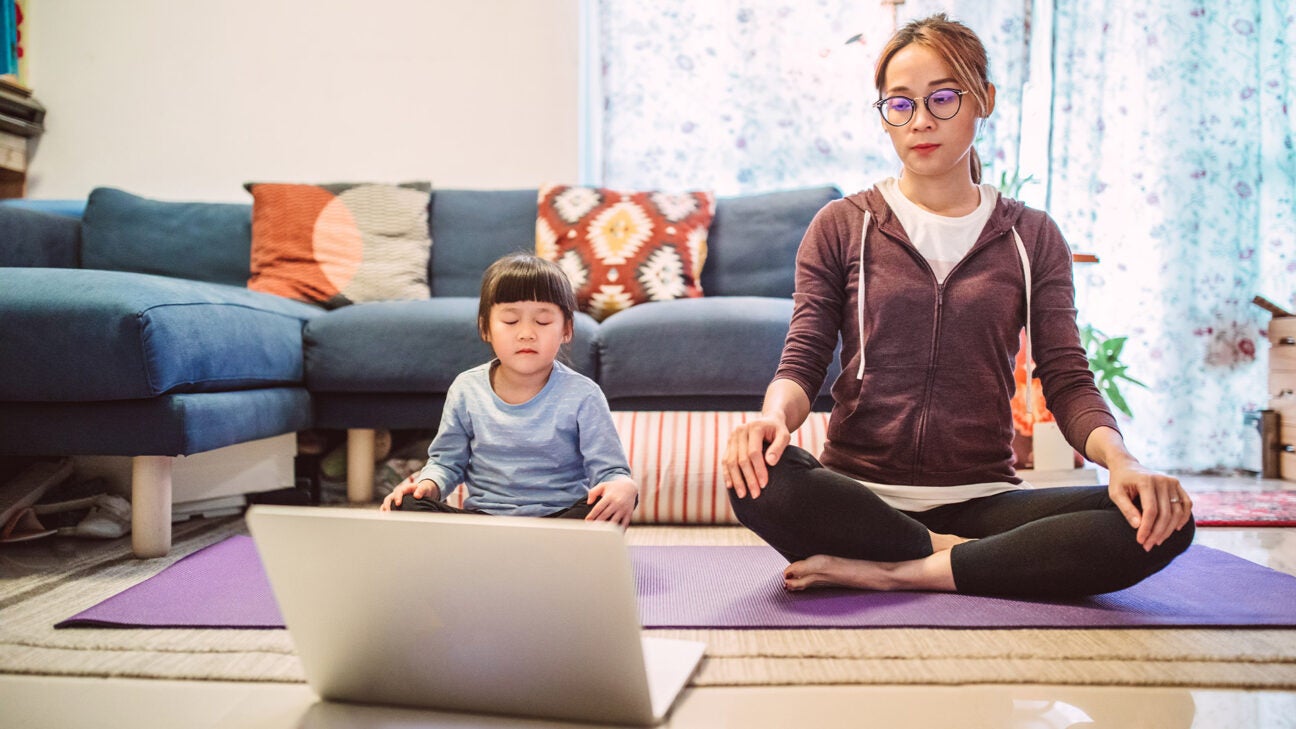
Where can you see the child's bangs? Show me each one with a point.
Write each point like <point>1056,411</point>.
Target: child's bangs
<point>534,285</point>
<point>524,277</point>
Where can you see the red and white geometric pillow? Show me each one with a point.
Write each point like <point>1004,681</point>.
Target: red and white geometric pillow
<point>624,248</point>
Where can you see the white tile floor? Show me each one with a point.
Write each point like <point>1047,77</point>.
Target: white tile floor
<point>53,702</point>
<point>49,703</point>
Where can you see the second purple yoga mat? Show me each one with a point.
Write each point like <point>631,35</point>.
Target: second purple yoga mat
<point>224,586</point>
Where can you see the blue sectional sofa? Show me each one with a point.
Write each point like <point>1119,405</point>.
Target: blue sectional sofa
<point>126,329</point>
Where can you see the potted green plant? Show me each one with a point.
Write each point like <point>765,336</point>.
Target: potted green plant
<point>1103,353</point>
<point>1104,360</point>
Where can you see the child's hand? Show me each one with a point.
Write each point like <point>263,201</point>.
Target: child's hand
<point>615,501</point>
<point>427,488</point>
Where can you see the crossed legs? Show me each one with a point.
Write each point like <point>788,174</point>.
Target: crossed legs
<point>1059,542</point>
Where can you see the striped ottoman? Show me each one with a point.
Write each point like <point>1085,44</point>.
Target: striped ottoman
<point>674,456</point>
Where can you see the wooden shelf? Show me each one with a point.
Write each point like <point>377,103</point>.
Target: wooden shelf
<point>13,184</point>
<point>13,165</point>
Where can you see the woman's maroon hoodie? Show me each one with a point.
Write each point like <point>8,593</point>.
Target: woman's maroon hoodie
<point>930,402</point>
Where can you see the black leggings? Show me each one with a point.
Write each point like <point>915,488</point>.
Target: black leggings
<point>578,510</point>
<point>1053,542</point>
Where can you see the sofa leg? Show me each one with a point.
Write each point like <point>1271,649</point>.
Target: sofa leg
<point>360,465</point>
<point>151,506</point>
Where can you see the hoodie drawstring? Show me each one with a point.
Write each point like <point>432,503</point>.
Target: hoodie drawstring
<point>859,313</point>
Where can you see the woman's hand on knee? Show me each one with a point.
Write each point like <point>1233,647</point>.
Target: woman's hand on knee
<point>1164,507</point>
<point>747,457</point>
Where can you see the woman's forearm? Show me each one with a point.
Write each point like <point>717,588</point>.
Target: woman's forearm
<point>1106,447</point>
<point>786,401</point>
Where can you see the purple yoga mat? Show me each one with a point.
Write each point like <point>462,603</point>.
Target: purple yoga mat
<point>742,587</point>
<point>221,586</point>
<point>224,586</point>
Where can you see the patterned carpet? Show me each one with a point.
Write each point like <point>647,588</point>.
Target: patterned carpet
<point>1245,508</point>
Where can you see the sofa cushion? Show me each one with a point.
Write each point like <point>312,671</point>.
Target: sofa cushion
<point>202,241</point>
<point>339,244</point>
<point>409,346</point>
<point>178,424</point>
<point>472,228</point>
<point>714,346</point>
<point>754,239</point>
<point>624,248</point>
<point>77,334</point>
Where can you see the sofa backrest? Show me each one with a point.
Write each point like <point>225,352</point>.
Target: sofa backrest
<point>751,248</point>
<point>33,236</point>
<point>67,208</point>
<point>201,241</point>
<point>470,230</point>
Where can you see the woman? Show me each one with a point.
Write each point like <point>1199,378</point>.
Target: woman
<point>928,280</point>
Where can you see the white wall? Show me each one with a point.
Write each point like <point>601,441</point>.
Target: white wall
<point>189,99</point>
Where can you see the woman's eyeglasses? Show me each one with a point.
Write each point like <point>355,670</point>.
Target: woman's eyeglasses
<point>899,110</point>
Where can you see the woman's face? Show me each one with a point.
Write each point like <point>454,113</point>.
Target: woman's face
<point>928,147</point>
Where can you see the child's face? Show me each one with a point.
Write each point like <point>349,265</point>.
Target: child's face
<point>526,335</point>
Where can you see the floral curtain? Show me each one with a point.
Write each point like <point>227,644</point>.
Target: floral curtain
<point>1172,160</point>
<point>1170,156</point>
<point>762,95</point>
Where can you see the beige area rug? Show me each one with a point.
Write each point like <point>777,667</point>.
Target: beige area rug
<point>34,596</point>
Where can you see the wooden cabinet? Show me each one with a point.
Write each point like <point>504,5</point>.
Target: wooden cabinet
<point>13,165</point>
<point>22,119</point>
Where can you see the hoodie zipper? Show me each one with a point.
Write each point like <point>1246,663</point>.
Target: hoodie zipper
<point>919,437</point>
<point>923,412</point>
<point>934,347</point>
<point>921,430</point>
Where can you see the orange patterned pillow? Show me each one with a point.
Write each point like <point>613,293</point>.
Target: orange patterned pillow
<point>624,248</point>
<point>341,243</point>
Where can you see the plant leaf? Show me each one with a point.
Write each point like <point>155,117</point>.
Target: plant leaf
<point>1103,353</point>
<point>1127,378</point>
<point>1114,347</point>
<point>1114,395</point>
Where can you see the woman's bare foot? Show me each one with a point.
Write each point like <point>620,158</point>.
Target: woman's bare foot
<point>941,542</point>
<point>822,570</point>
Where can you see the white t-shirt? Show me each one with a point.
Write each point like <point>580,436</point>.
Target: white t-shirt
<point>942,240</point>
<point>926,498</point>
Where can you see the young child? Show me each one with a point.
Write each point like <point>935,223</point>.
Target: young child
<point>527,435</point>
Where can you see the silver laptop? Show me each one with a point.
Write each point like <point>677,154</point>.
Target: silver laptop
<point>499,615</point>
